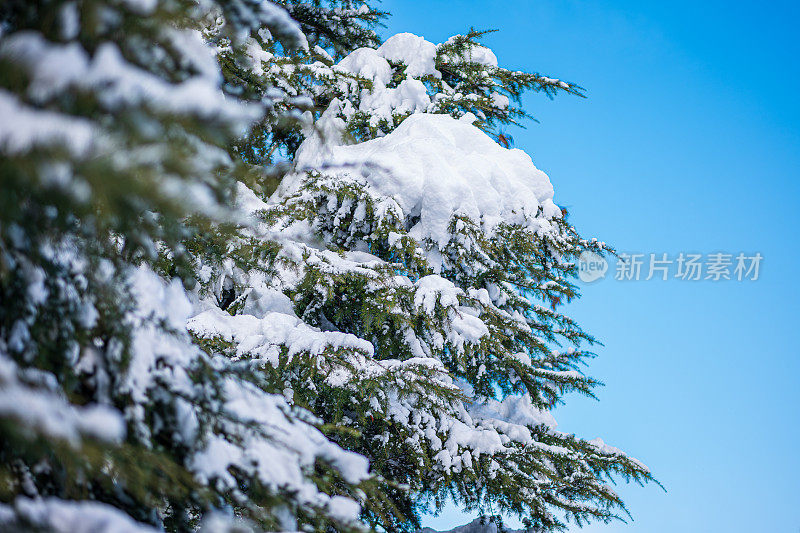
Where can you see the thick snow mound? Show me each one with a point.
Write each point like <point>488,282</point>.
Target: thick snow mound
<point>418,54</point>
<point>435,167</point>
<point>368,63</point>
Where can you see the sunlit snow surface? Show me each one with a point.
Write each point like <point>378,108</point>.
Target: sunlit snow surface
<point>436,166</point>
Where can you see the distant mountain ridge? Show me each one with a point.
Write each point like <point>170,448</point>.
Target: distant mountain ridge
<point>474,527</point>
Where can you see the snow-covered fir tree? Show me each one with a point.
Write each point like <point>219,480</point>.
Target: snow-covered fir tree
<point>259,269</point>
<point>116,138</point>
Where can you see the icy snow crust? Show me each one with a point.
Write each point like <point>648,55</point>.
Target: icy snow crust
<point>437,167</point>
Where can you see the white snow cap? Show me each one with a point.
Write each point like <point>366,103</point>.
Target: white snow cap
<point>418,54</point>
<point>367,63</point>
<point>477,54</point>
<point>436,167</point>
<point>415,52</point>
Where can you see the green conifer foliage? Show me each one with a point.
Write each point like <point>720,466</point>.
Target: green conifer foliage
<point>115,153</point>
<point>260,269</point>
<point>436,355</point>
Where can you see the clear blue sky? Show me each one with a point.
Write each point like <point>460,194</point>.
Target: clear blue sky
<point>689,141</point>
